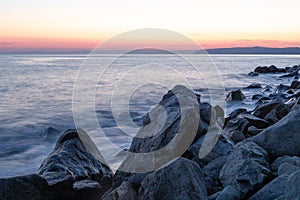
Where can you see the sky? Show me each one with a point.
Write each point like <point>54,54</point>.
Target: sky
<point>76,24</point>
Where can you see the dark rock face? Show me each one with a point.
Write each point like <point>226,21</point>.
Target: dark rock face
<point>235,95</point>
<point>254,86</point>
<point>270,69</point>
<point>182,179</point>
<point>235,129</point>
<point>252,74</point>
<point>286,165</point>
<point>272,190</point>
<point>254,121</point>
<point>247,168</point>
<point>229,192</point>
<point>87,189</point>
<point>25,187</point>
<point>293,186</point>
<point>282,138</point>
<point>124,192</point>
<point>72,160</point>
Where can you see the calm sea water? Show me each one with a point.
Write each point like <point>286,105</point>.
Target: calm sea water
<point>36,93</point>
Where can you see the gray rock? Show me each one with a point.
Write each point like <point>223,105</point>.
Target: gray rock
<point>293,187</point>
<point>272,190</point>
<point>254,121</point>
<point>282,138</point>
<point>229,192</point>
<point>75,157</point>
<point>234,129</point>
<point>235,95</point>
<point>86,189</point>
<point>254,86</point>
<point>286,165</point>
<point>25,187</point>
<point>252,130</point>
<point>124,192</point>
<point>247,168</point>
<point>182,179</point>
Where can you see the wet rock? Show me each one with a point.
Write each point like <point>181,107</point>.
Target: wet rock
<point>239,124</point>
<point>75,157</point>
<point>282,138</point>
<point>272,111</point>
<point>254,86</point>
<point>270,69</point>
<point>272,190</point>
<point>172,181</point>
<point>234,114</point>
<point>282,88</point>
<point>286,165</point>
<point>257,96</point>
<point>295,84</point>
<point>254,121</point>
<point>247,168</point>
<point>235,95</point>
<point>25,187</point>
<point>124,192</point>
<point>229,192</point>
<point>252,74</point>
<point>252,130</point>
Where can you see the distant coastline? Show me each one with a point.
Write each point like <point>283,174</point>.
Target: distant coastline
<point>233,50</point>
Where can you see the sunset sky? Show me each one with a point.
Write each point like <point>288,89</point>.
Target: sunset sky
<point>75,25</point>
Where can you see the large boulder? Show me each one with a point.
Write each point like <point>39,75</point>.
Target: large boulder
<point>182,179</point>
<point>229,192</point>
<point>282,138</point>
<point>293,187</point>
<point>272,190</point>
<point>235,95</point>
<point>124,192</point>
<point>25,187</point>
<point>247,168</point>
<point>74,158</point>
<point>286,165</point>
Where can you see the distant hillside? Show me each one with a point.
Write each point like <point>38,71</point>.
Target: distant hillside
<point>252,50</point>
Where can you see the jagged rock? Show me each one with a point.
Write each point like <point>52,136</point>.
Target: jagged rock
<point>254,121</point>
<point>235,129</point>
<point>75,157</point>
<point>87,189</point>
<point>229,192</point>
<point>25,187</point>
<point>182,179</point>
<point>254,86</point>
<point>272,190</point>
<point>234,114</point>
<point>272,111</point>
<point>295,84</point>
<point>282,138</point>
<point>257,96</point>
<point>252,130</point>
<point>212,172</point>
<point>235,95</point>
<point>247,168</point>
<point>221,148</point>
<point>124,192</point>
<point>286,165</point>
<point>270,69</point>
<point>293,187</point>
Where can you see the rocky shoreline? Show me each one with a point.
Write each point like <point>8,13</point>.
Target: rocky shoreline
<point>250,154</point>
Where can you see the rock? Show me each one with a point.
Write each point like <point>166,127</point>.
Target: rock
<point>293,187</point>
<point>221,148</point>
<point>25,187</point>
<point>254,121</point>
<point>252,130</point>
<point>257,96</point>
<point>295,84</point>
<point>234,114</point>
<point>235,95</point>
<point>247,168</point>
<point>252,74</point>
<point>253,86</point>
<point>211,173</point>
<point>86,189</point>
<point>282,88</point>
<point>229,192</point>
<point>262,70</point>
<point>73,160</point>
<point>286,165</point>
<point>235,128</point>
<point>282,138</point>
<point>182,179</point>
<point>272,111</point>
<point>124,192</point>
<point>270,69</point>
<point>272,190</point>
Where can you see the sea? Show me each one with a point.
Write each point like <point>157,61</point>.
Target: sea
<point>37,94</point>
